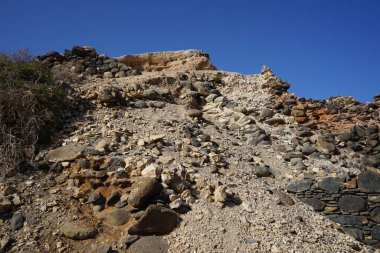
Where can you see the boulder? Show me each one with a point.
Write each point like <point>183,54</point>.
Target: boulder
<point>143,191</point>
<point>155,220</point>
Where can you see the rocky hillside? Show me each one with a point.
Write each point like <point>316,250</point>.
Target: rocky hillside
<point>167,154</point>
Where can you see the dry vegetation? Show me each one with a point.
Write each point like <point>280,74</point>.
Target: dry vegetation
<point>30,108</point>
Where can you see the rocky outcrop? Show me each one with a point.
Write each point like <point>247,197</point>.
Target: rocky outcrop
<point>163,144</point>
<point>183,60</point>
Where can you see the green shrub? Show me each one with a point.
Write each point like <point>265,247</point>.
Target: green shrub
<point>30,108</point>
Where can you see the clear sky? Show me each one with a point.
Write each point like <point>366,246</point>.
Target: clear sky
<point>321,47</point>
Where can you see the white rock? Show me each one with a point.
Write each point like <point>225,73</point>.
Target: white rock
<point>249,207</point>
<point>220,194</point>
<point>150,171</point>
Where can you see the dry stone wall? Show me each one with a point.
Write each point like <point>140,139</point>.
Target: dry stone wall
<point>355,204</point>
<point>85,61</point>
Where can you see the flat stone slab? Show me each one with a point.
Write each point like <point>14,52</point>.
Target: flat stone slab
<point>300,186</point>
<point>65,153</point>
<point>330,184</point>
<point>348,220</point>
<point>352,204</point>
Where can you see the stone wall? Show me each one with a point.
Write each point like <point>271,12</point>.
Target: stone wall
<point>85,61</point>
<point>355,204</point>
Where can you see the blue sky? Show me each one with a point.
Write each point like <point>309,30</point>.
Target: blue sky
<point>321,47</point>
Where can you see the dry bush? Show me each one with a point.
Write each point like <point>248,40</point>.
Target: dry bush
<point>30,108</point>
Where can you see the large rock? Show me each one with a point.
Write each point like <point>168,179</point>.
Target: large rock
<point>183,60</point>
<point>149,244</point>
<point>78,231</point>
<point>369,182</point>
<point>329,184</point>
<point>300,186</point>
<point>65,153</point>
<point>351,204</point>
<point>143,191</point>
<point>155,220</point>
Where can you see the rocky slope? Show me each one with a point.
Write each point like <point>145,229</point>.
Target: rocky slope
<point>167,154</point>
